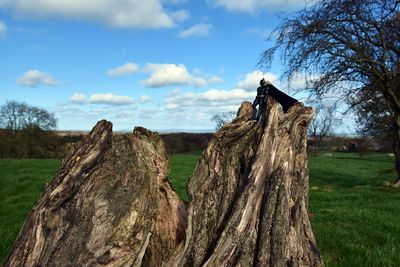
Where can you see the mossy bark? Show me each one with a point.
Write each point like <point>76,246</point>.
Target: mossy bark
<point>110,204</point>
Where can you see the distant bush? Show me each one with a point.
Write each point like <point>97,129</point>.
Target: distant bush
<point>31,142</point>
<point>185,142</point>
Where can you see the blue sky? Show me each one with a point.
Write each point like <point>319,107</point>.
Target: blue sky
<point>161,64</point>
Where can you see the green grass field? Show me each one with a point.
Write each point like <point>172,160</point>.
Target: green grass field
<point>355,219</point>
<point>21,182</point>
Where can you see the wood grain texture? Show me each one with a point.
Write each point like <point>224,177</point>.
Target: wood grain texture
<point>111,205</point>
<point>249,193</point>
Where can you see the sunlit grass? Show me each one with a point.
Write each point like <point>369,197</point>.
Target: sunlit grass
<point>354,218</point>
<point>181,168</point>
<point>21,182</point>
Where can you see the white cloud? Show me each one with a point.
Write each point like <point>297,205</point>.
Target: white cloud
<point>79,98</point>
<point>107,98</point>
<point>180,15</point>
<point>3,28</point>
<point>195,110</point>
<point>145,98</point>
<point>216,100</point>
<point>255,6</point>
<point>213,98</point>
<point>34,78</point>
<point>166,74</point>
<point>83,117</point>
<point>198,30</point>
<point>171,74</point>
<point>252,80</point>
<point>224,95</point>
<point>191,108</point>
<point>215,79</point>
<point>117,13</point>
<point>126,69</point>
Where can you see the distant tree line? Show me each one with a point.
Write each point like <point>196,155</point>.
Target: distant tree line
<point>26,132</point>
<point>185,142</point>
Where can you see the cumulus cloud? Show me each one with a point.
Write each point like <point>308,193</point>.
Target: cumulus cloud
<point>198,108</point>
<point>252,80</point>
<point>118,13</point>
<point>34,78</point>
<point>126,69</point>
<point>180,15</point>
<point>172,74</point>
<point>107,98</point>
<point>213,98</point>
<point>145,98</point>
<point>215,79</point>
<point>81,117</point>
<point>198,30</point>
<point>255,6</point>
<point>214,95</point>
<point>79,98</point>
<point>3,28</point>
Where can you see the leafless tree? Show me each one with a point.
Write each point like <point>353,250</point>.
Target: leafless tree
<point>373,118</point>
<point>223,118</point>
<point>345,46</point>
<point>321,126</point>
<point>16,115</point>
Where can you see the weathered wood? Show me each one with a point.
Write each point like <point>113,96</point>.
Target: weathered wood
<point>109,205</point>
<point>249,193</point>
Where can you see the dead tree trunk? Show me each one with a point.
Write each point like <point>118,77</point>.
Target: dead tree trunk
<point>249,193</point>
<point>111,205</point>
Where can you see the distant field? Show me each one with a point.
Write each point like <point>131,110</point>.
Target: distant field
<point>355,219</point>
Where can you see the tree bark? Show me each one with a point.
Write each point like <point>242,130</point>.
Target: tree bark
<point>249,195</point>
<point>111,204</point>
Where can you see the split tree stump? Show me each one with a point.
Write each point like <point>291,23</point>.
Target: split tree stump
<point>111,205</point>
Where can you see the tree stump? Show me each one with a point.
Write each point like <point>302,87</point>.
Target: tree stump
<point>111,204</point>
<point>249,195</point>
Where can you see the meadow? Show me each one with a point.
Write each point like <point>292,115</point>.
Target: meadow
<point>355,218</point>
